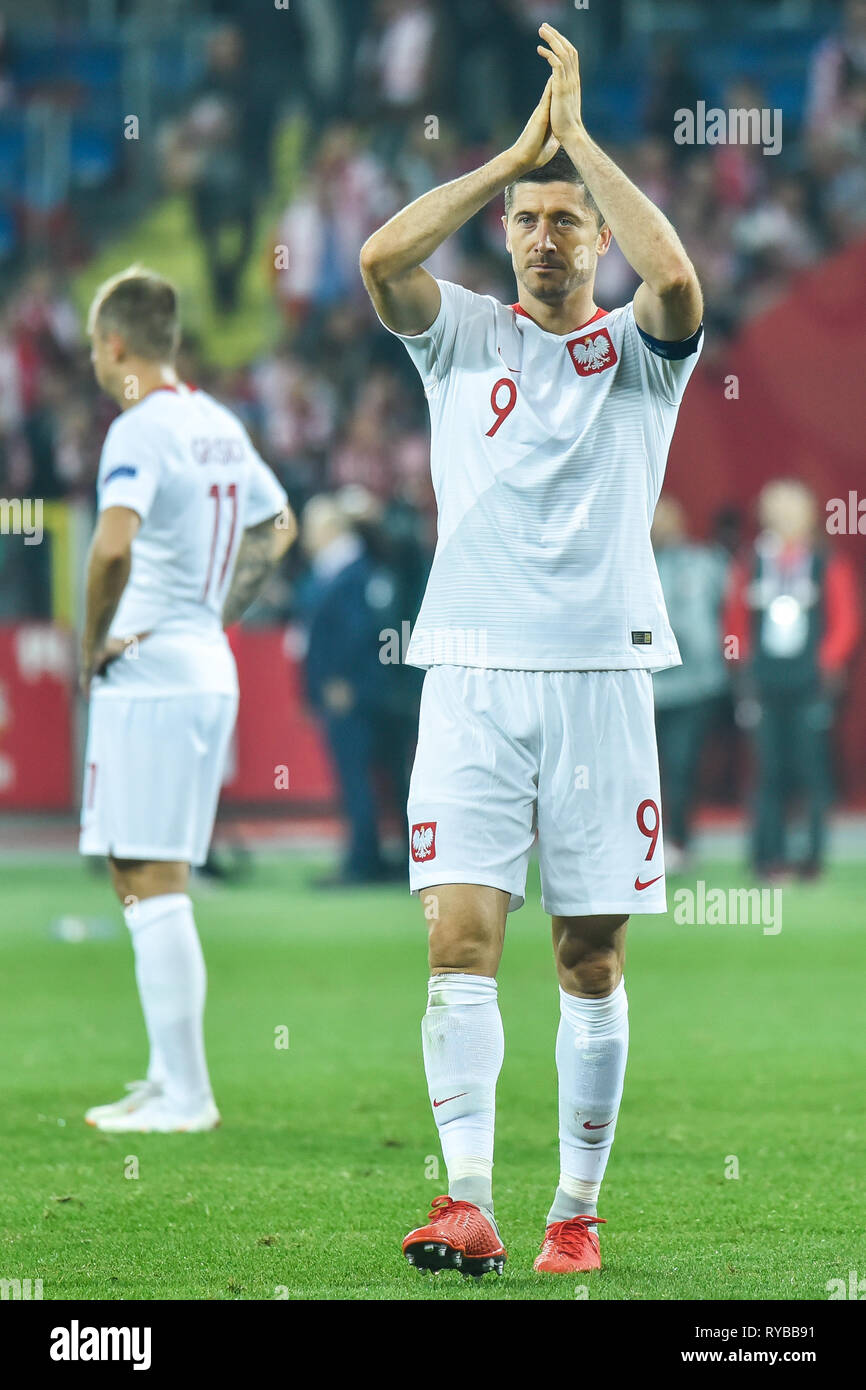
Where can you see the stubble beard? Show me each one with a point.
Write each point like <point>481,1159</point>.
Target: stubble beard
<point>564,286</point>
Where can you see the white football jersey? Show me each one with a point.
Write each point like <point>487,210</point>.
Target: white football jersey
<point>186,465</point>
<point>548,453</point>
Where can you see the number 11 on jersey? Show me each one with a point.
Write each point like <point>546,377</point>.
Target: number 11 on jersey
<point>231,492</point>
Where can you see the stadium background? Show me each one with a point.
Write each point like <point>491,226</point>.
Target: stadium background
<point>208,135</point>
<point>254,128</point>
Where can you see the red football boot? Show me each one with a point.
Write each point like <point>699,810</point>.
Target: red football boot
<point>570,1247</point>
<point>459,1236</point>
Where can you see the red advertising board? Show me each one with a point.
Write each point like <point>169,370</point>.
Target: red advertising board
<point>277,755</point>
<point>36,684</point>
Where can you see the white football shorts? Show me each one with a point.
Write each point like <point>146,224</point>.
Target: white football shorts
<point>152,775</point>
<point>567,755</point>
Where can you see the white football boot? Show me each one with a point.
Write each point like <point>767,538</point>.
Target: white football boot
<point>137,1092</point>
<point>156,1116</point>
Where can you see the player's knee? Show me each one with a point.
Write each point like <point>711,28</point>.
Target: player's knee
<point>590,954</point>
<point>137,879</point>
<point>466,928</point>
<point>473,953</point>
<point>472,946</point>
<point>596,976</point>
<point>124,874</point>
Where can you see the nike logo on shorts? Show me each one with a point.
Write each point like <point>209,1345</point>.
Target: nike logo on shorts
<point>638,885</point>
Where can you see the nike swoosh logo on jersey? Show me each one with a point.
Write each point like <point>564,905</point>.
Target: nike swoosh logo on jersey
<point>638,885</point>
<point>437,1103</point>
<point>587,1125</point>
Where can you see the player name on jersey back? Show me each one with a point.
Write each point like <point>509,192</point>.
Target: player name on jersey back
<point>185,464</point>
<point>547,454</point>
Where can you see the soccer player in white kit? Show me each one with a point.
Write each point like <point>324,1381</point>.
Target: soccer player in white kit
<point>191,523</point>
<point>541,624</point>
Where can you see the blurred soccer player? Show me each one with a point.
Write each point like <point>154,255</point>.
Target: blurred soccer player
<point>191,524</point>
<point>542,621</point>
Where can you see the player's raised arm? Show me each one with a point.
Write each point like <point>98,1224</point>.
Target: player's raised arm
<point>668,305</point>
<point>108,567</point>
<point>405,295</point>
<point>261,549</point>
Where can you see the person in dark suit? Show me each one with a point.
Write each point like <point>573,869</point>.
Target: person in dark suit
<point>345,601</point>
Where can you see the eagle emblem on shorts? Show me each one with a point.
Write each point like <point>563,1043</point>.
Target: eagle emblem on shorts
<point>424,841</point>
<point>592,353</point>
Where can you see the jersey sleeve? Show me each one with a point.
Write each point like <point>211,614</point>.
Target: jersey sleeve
<point>129,467</point>
<point>265,495</point>
<point>668,365</point>
<point>433,351</point>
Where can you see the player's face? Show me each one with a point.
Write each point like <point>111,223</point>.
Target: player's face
<point>554,239</point>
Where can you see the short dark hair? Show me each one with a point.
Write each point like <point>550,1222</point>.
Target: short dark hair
<point>143,307</point>
<point>560,169</point>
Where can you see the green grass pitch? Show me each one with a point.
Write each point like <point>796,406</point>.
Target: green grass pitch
<point>744,1046</point>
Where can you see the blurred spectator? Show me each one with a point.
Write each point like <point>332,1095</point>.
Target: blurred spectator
<point>837,66</point>
<point>340,350</point>
<point>687,697</point>
<point>346,602</point>
<point>836,126</point>
<point>793,610</point>
<point>11,386</point>
<point>672,86</point>
<point>216,151</point>
<point>394,540</point>
<point>298,418</point>
<point>775,241</point>
<point>366,454</point>
<point>7,61</point>
<point>842,193</point>
<point>526,17</point>
<point>485,43</point>
<point>398,70</point>
<point>726,529</point>
<point>705,227</point>
<point>341,199</point>
<point>741,170</point>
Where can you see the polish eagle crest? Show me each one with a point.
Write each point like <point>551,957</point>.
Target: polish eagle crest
<point>593,353</point>
<point>423,837</point>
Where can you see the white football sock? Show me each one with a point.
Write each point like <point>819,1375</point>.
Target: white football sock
<point>463,1044</point>
<point>172,983</point>
<point>591,1051</point>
